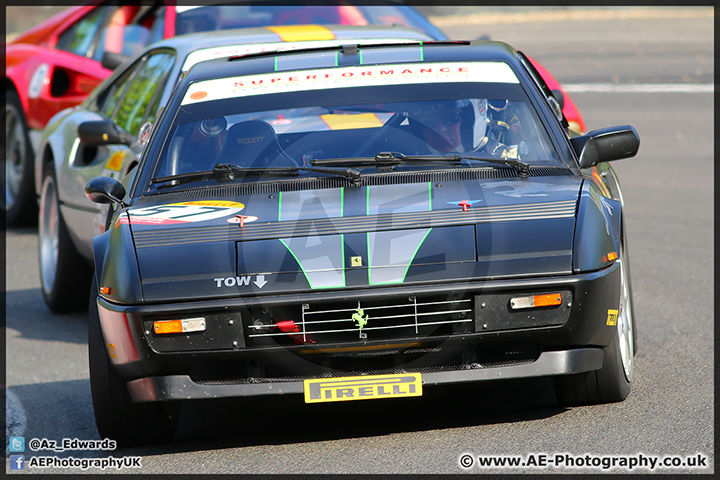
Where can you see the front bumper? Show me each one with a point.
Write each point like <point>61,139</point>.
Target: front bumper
<point>493,342</point>
<point>182,387</point>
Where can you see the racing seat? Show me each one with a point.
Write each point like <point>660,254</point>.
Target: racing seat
<point>254,144</point>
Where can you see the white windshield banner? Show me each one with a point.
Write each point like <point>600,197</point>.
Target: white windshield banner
<point>346,77</point>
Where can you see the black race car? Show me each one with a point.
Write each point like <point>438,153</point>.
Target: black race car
<point>358,222</point>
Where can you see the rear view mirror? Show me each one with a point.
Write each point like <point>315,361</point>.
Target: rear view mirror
<point>103,132</point>
<point>605,145</point>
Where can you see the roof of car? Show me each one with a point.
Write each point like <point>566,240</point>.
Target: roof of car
<point>185,44</point>
<point>307,59</point>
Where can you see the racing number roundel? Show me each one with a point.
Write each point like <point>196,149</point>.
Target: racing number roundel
<point>185,212</point>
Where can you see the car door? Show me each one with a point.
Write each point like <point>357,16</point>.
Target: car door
<point>128,102</point>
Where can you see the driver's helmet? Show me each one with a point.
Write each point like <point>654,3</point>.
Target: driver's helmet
<point>471,112</point>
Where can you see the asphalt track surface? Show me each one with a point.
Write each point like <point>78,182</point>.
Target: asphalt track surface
<point>651,68</point>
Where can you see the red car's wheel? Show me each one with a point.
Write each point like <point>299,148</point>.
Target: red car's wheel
<point>19,203</point>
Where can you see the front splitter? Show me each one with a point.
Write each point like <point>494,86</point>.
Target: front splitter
<point>182,387</point>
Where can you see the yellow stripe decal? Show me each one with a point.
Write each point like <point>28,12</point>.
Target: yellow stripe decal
<point>300,33</point>
<point>349,122</point>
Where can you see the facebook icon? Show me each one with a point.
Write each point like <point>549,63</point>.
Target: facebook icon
<point>17,462</point>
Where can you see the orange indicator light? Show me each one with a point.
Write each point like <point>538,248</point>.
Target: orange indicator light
<point>534,301</point>
<point>547,300</point>
<point>105,290</point>
<point>187,325</point>
<point>611,257</point>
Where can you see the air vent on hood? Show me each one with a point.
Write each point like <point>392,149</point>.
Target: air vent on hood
<point>393,178</point>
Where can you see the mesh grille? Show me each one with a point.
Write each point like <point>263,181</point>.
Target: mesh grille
<point>348,322</point>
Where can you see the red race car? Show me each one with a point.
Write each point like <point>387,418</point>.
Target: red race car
<point>58,63</point>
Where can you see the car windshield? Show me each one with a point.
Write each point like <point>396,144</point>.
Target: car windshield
<point>191,19</point>
<point>371,118</point>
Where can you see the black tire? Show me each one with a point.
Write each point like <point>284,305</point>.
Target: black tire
<point>64,273</point>
<point>19,203</point>
<point>116,416</point>
<point>606,385</point>
<point>612,383</point>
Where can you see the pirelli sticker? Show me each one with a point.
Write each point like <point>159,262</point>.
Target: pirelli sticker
<point>366,387</point>
<point>612,317</point>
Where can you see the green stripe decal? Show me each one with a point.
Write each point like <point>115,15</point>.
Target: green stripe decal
<point>415,254</point>
<point>391,252</point>
<point>296,259</point>
<point>342,201</point>
<point>316,261</point>
<point>320,257</point>
<point>367,200</point>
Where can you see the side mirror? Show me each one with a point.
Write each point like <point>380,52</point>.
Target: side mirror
<point>105,190</point>
<point>605,145</point>
<point>103,132</point>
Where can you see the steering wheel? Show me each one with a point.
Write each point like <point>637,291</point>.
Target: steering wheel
<point>393,122</point>
<point>498,127</point>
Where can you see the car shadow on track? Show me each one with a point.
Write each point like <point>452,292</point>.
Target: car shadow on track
<point>221,424</point>
<point>26,313</point>
<point>207,425</point>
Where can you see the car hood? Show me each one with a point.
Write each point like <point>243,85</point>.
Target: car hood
<point>249,241</point>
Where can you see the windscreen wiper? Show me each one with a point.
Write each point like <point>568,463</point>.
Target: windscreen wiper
<point>224,172</point>
<point>522,167</point>
<point>385,159</point>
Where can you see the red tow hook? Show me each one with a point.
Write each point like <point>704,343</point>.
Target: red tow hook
<point>289,327</point>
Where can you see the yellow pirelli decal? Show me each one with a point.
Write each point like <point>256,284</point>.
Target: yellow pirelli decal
<point>612,317</point>
<point>367,387</point>
<point>302,33</point>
